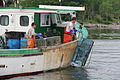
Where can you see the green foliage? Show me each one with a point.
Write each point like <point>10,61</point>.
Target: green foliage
<point>35,3</point>
<point>97,11</point>
<point>98,18</point>
<point>12,5</point>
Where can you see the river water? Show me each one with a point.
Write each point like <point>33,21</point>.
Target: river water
<point>104,64</point>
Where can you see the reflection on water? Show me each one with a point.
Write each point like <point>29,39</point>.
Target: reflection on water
<point>104,65</point>
<point>65,74</point>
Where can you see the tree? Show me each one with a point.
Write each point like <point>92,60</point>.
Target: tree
<point>96,10</point>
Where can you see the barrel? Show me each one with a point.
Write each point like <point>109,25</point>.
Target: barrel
<point>13,44</point>
<point>23,43</point>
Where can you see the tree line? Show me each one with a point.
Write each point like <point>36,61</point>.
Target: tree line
<point>97,11</point>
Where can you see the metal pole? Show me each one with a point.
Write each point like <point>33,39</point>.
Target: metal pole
<point>16,3</point>
<point>60,2</point>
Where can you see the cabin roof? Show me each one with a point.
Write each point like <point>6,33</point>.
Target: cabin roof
<point>35,8</point>
<point>26,9</point>
<point>43,9</point>
<point>62,8</point>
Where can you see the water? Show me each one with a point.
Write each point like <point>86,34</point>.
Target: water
<point>104,65</point>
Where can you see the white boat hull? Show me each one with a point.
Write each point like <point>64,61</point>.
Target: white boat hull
<point>53,58</point>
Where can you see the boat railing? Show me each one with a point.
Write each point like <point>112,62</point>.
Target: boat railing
<point>51,43</point>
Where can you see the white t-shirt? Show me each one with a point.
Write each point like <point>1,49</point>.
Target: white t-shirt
<point>68,26</point>
<point>31,32</point>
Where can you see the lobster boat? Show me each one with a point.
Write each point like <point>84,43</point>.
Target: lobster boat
<point>50,51</point>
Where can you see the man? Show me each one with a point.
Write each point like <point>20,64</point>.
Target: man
<point>31,36</point>
<point>70,31</point>
<point>71,25</point>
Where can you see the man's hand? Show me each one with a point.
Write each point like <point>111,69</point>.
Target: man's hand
<point>71,27</point>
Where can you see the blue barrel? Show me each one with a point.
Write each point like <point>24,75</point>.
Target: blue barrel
<point>13,44</point>
<point>23,43</point>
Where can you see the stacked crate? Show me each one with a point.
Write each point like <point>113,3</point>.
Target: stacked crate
<point>41,43</point>
<point>50,41</point>
<point>13,39</point>
<point>13,44</point>
<point>53,41</point>
<point>23,43</point>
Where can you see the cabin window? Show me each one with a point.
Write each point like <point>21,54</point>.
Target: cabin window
<point>4,20</point>
<point>24,20</point>
<point>58,18</point>
<point>54,21</point>
<point>45,19</point>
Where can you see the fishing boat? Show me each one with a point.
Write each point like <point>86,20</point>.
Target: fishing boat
<point>50,54</point>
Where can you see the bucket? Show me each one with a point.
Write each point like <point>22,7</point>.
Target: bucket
<point>31,43</point>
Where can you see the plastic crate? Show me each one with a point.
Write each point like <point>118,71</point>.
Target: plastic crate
<point>23,43</point>
<point>13,44</point>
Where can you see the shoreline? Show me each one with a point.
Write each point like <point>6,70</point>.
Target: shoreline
<point>103,33</point>
<point>102,26</point>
